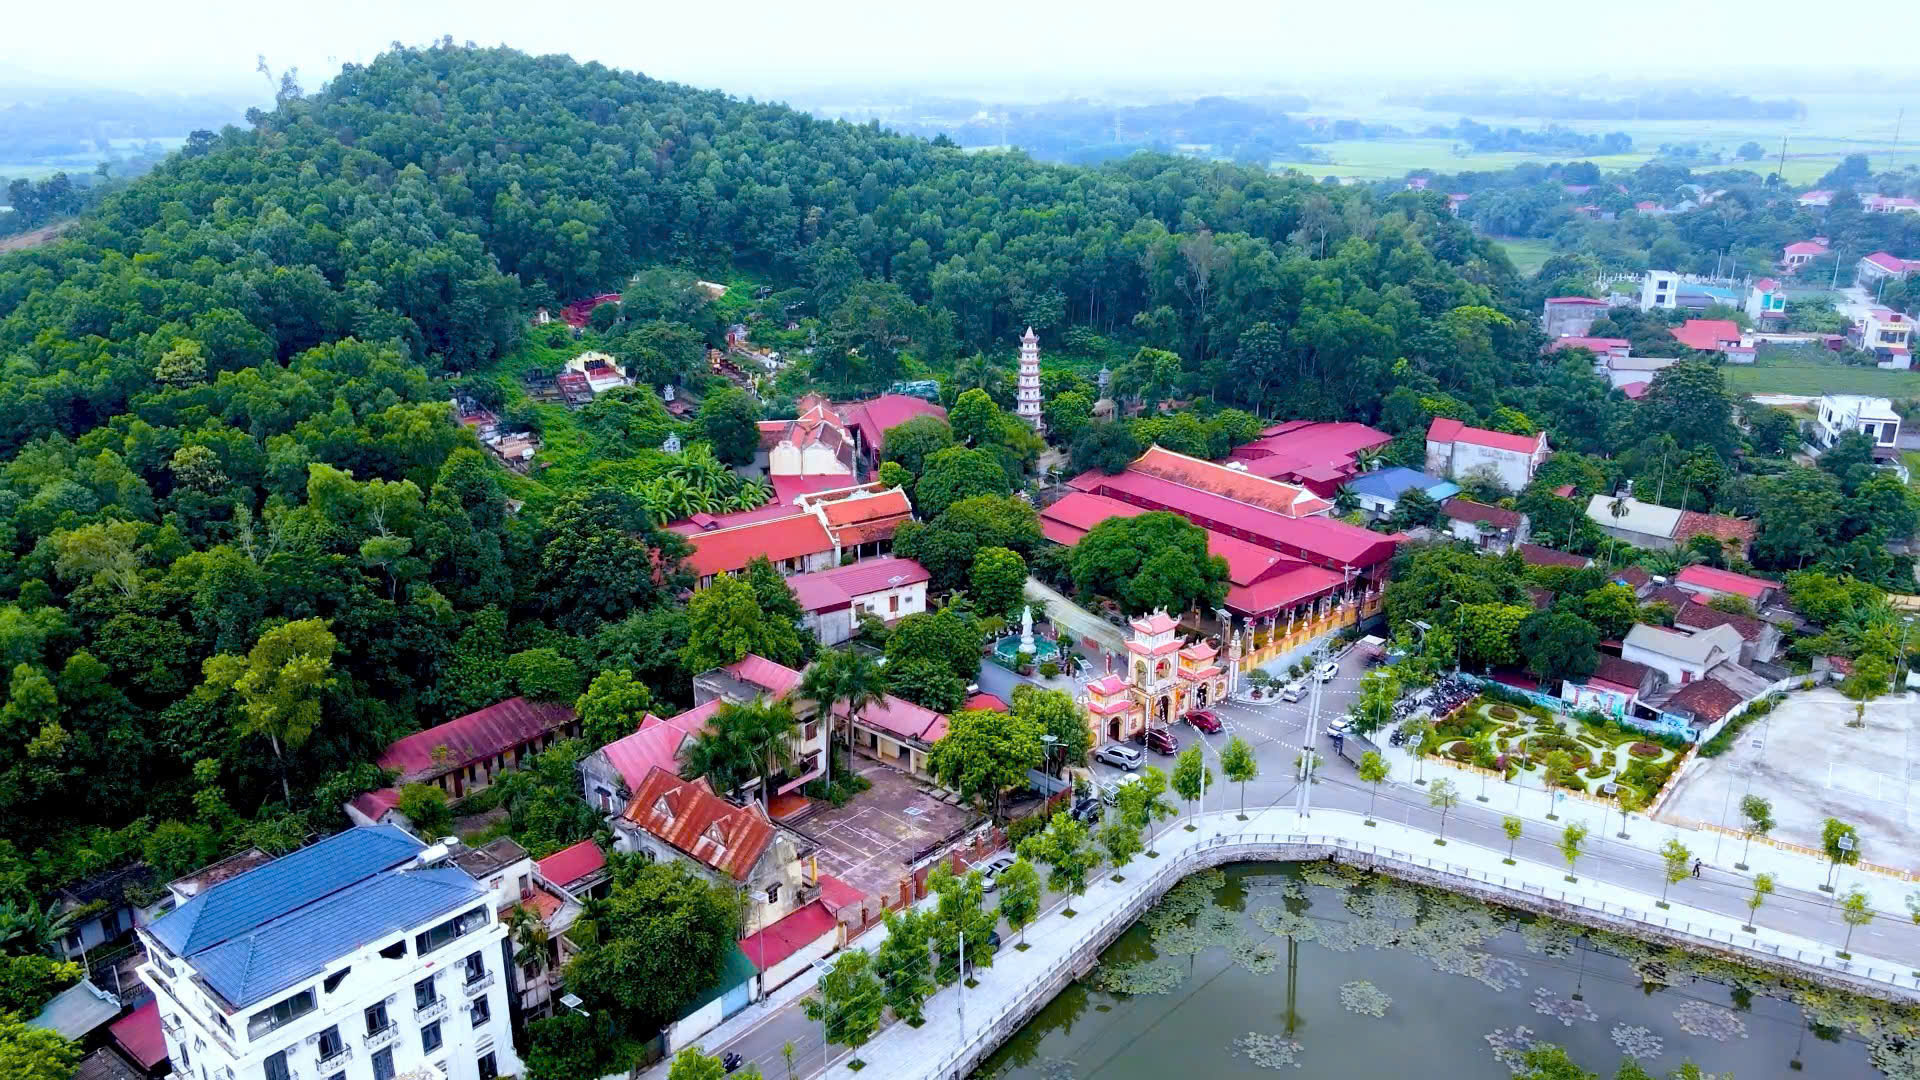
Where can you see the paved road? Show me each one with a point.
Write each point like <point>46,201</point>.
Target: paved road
<point>1275,729</point>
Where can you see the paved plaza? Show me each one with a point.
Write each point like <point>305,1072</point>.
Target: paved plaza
<point>870,842</point>
<point>1812,766</point>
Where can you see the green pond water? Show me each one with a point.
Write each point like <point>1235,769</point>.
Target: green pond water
<point>1180,993</point>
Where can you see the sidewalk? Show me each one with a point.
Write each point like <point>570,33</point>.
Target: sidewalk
<point>1019,983</point>
<point>1526,797</point>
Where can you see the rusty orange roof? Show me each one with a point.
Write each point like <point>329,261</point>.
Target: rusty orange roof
<point>690,818</point>
<point>1240,486</point>
<point>729,550</point>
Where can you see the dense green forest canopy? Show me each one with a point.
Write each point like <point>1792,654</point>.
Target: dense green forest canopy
<point>243,545</point>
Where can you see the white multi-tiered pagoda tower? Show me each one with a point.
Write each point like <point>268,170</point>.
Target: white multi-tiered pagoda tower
<point>1026,403</point>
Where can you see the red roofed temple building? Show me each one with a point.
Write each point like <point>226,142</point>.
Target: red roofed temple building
<point>816,532</point>
<point>1312,454</point>
<point>1293,572</point>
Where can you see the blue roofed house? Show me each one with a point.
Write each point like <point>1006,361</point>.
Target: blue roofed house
<point>1378,492</point>
<point>366,953</point>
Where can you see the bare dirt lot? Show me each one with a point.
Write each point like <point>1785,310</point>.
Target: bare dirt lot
<point>1812,766</point>
<point>33,238</point>
<point>870,842</point>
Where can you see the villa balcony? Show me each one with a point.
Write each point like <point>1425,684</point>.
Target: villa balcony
<point>476,987</point>
<point>431,1011</point>
<point>378,1040</point>
<point>327,1066</point>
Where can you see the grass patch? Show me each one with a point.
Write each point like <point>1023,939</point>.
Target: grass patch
<point>1810,371</point>
<point>1527,253</point>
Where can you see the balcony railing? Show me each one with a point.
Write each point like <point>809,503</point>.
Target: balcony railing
<point>376,1040</point>
<point>476,987</point>
<point>327,1066</point>
<point>171,1022</point>
<point>431,1011</point>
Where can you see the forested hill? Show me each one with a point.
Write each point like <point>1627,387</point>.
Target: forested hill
<point>242,545</point>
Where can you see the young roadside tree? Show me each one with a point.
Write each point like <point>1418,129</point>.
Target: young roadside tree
<point>903,964</point>
<point>1121,839</point>
<point>1762,888</point>
<point>1756,814</point>
<point>849,1002</point>
<point>1557,767</point>
<point>1239,765</point>
<point>1573,840</point>
<point>1443,796</point>
<point>984,753</point>
<point>1856,910</point>
<point>1374,770</point>
<point>1019,889</point>
<point>1143,801</point>
<point>958,915</point>
<point>1676,863</point>
<point>1379,692</point>
<point>1631,802</point>
<point>1191,777</point>
<point>1513,827</point>
<point>691,1064</point>
<point>1841,842</point>
<point>1063,847</point>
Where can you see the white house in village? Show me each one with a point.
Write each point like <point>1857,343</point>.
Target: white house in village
<point>365,955</point>
<point>889,588</point>
<point>1841,413</point>
<point>1457,451</point>
<point>1681,657</point>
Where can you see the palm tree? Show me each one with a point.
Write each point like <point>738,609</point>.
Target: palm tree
<point>699,468</point>
<point>723,755</point>
<point>841,675</point>
<point>765,727</point>
<point>1370,458</point>
<point>1345,501</point>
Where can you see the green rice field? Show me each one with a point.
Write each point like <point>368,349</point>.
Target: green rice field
<point>1807,371</point>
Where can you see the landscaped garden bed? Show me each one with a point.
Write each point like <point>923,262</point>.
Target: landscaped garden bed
<point>1520,739</point>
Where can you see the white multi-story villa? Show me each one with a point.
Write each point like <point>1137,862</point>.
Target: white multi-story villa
<point>362,957</point>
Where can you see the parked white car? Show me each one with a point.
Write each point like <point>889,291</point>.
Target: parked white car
<point>1325,672</point>
<point>1294,690</point>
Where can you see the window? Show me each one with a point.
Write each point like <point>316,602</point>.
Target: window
<point>376,1018</point>
<point>186,1060</point>
<point>332,982</point>
<point>279,1014</point>
<point>458,926</point>
<point>395,951</point>
<point>489,1069</point>
<point>476,967</point>
<point>277,1067</point>
<point>481,1011</point>
<point>526,885</point>
<point>530,971</point>
<point>430,1038</point>
<point>423,994</point>
<point>773,893</point>
<point>341,1075</point>
<point>893,602</point>
<point>330,1042</point>
<point>383,1064</point>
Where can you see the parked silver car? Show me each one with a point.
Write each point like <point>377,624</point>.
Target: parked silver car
<point>1120,756</point>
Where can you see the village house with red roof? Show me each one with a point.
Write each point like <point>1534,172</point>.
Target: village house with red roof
<point>817,532</point>
<point>464,755</point>
<point>1795,256</point>
<point>1459,451</point>
<point>1722,336</point>
<point>1493,529</point>
<point>888,588</point>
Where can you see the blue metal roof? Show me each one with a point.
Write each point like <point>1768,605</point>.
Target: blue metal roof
<point>1395,481</point>
<point>240,904</point>
<point>296,947</point>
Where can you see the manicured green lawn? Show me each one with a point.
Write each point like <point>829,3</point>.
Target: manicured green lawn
<point>1528,253</point>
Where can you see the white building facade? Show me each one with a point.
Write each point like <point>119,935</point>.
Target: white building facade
<point>362,957</point>
<point>1872,416</point>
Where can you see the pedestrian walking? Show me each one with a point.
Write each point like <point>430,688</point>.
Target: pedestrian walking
<point>1696,868</point>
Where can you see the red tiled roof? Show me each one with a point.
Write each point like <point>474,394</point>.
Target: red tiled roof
<point>1806,247</point>
<point>1233,484</point>
<point>868,508</point>
<point>1157,623</point>
<point>1698,616</point>
<point>700,523</point>
<point>729,550</point>
<point>1542,599</point>
<point>378,802</point>
<point>1565,491</point>
<point>1460,509</point>
<point>1445,430</point>
<point>1633,576</point>
<point>830,590</point>
<point>900,718</point>
<point>1627,674</point>
<point>1576,300</point>
<point>1887,261</point>
<point>1707,335</point>
<point>138,1033</point>
<point>1708,699</point>
<point>1070,518</point>
<point>788,488</point>
<point>657,744</point>
<point>798,929</point>
<point>1535,555</point>
<point>874,416</point>
<point>1726,581</point>
<point>1721,527</point>
<point>476,736</point>
<point>1634,391</point>
<point>1673,596</point>
<point>570,864</point>
<point>777,679</point>
<point>1766,284</point>
<point>688,816</point>
<point>1309,450</point>
<point>1310,538</point>
<point>986,701</point>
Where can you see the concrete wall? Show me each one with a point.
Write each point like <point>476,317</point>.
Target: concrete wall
<point>786,970</point>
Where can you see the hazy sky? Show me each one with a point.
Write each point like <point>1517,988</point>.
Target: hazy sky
<point>757,46</point>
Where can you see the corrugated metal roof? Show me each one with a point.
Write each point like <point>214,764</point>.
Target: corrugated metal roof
<point>700,824</point>
<point>77,1011</point>
<point>476,736</point>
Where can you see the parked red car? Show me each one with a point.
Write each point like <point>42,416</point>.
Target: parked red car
<point>1204,720</point>
<point>1159,740</point>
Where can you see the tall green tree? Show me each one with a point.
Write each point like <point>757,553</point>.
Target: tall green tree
<point>1019,889</point>
<point>280,683</point>
<point>1062,846</point>
<point>849,1001</point>
<point>984,754</point>
<point>612,707</point>
<point>657,942</point>
<point>903,964</point>
<point>1239,765</point>
<point>726,624</point>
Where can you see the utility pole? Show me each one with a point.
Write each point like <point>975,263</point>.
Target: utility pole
<point>960,986</point>
<point>1835,284</point>
<point>1781,172</point>
<point>1304,805</point>
<point>1899,119</point>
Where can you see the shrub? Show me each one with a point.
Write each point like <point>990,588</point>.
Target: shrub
<point>1597,772</point>
<point>1048,669</point>
<point>1593,742</point>
<point>1020,828</point>
<point>1460,751</point>
<point>1503,712</point>
<point>1574,783</point>
<point>1644,750</point>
